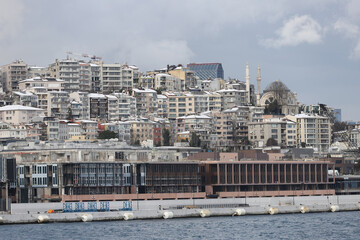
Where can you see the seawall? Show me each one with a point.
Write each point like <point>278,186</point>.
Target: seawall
<point>38,212</point>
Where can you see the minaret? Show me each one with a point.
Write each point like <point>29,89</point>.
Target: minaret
<point>258,79</point>
<point>247,78</point>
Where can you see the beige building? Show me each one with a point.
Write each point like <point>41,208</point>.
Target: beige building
<point>270,128</point>
<point>12,73</point>
<point>232,97</point>
<point>207,101</point>
<point>179,105</point>
<point>186,75</point>
<point>141,130</point>
<point>169,83</point>
<point>17,114</point>
<point>312,130</point>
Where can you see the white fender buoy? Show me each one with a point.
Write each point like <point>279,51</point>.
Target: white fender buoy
<point>334,208</point>
<point>304,209</point>
<point>240,212</point>
<point>1,220</point>
<point>205,213</point>
<point>167,215</point>
<point>128,216</point>
<point>42,218</point>
<point>273,211</point>
<point>87,218</point>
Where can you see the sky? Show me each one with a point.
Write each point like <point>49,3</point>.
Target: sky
<point>313,46</point>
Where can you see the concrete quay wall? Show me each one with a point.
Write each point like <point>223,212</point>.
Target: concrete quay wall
<point>33,208</point>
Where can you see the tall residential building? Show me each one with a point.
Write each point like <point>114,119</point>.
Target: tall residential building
<point>207,70</point>
<point>146,102</point>
<point>232,97</point>
<point>127,105</point>
<point>116,78</point>
<point>179,105</point>
<point>69,71</point>
<point>80,105</point>
<point>312,130</point>
<point>12,73</point>
<point>85,77</point>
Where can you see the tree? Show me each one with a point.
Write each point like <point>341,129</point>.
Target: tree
<point>271,142</point>
<point>69,116</point>
<point>107,135</point>
<point>166,137</point>
<point>272,108</point>
<point>195,140</point>
<point>339,126</point>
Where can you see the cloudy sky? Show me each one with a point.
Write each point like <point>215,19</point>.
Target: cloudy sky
<point>313,46</point>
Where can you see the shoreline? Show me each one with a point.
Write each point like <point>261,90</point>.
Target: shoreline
<point>167,209</point>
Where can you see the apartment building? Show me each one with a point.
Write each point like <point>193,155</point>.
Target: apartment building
<point>206,101</point>
<point>85,77</point>
<point>127,105</point>
<point>25,99</point>
<point>312,130</point>
<point>179,105</point>
<point>58,104</point>
<point>147,81</point>
<point>142,129</point>
<point>80,105</point>
<point>232,97</point>
<point>17,114</point>
<point>50,84</point>
<point>162,102</point>
<point>12,73</point>
<point>186,75</point>
<point>69,71</point>
<point>169,83</point>
<point>146,102</point>
<point>98,104</point>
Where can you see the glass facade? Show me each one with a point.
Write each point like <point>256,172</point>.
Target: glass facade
<point>207,70</point>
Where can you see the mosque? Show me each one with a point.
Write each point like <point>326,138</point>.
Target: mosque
<point>276,93</point>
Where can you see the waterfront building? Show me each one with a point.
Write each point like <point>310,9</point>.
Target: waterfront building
<point>207,70</point>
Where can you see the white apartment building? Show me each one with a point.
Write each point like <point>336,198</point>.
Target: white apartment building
<point>231,98</point>
<point>69,71</point>
<point>17,114</point>
<point>50,84</point>
<point>169,83</point>
<point>127,105</point>
<point>80,105</point>
<point>312,130</point>
<point>7,130</point>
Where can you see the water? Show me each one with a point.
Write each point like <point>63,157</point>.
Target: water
<point>339,225</point>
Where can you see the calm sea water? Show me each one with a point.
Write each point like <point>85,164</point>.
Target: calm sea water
<point>339,225</point>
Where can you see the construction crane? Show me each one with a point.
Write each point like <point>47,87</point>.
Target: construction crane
<point>85,55</point>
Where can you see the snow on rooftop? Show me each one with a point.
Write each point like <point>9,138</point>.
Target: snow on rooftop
<point>195,117</point>
<point>160,96</point>
<point>24,93</point>
<point>19,108</point>
<point>144,90</point>
<point>96,95</point>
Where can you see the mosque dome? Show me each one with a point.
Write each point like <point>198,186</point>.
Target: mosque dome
<point>276,86</point>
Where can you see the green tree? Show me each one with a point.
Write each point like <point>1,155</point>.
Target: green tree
<point>271,142</point>
<point>195,140</point>
<point>107,135</point>
<point>273,108</point>
<point>166,137</point>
